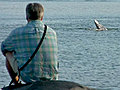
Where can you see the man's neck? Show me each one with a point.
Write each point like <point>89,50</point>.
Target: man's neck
<point>31,20</point>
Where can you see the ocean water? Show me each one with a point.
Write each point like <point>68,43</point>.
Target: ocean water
<point>64,0</point>
<point>86,56</point>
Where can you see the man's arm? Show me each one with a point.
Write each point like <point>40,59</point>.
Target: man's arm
<point>11,66</point>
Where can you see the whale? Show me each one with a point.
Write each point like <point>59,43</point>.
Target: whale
<point>99,26</point>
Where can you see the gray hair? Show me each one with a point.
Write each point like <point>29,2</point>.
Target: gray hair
<point>34,11</point>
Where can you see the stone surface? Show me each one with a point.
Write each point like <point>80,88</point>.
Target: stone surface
<point>49,85</point>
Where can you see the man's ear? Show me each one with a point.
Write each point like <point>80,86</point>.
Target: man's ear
<point>27,19</point>
<point>41,19</point>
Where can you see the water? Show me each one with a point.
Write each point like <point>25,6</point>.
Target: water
<point>64,0</point>
<point>86,56</point>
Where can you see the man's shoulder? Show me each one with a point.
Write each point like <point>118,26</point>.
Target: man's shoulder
<point>18,29</point>
<point>51,30</point>
<point>21,27</point>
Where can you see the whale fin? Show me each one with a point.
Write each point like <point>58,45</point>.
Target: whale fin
<point>99,26</point>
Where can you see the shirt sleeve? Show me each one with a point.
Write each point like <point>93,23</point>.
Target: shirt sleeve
<point>7,45</point>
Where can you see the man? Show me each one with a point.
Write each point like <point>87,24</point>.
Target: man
<point>23,41</point>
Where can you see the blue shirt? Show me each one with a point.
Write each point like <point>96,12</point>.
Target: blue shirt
<point>23,41</point>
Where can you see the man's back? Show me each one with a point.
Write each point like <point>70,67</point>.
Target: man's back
<point>24,41</point>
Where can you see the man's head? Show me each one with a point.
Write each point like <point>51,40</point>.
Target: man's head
<point>34,11</point>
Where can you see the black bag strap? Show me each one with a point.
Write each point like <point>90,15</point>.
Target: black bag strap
<point>30,59</point>
<point>32,56</point>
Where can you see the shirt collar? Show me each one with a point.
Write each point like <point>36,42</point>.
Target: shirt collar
<point>36,23</point>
